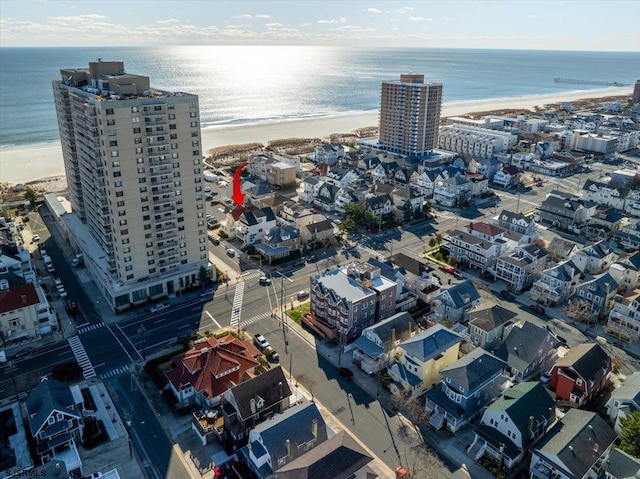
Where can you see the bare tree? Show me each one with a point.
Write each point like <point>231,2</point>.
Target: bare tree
<point>307,382</point>
<point>579,309</point>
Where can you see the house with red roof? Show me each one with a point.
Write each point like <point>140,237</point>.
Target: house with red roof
<point>22,313</point>
<point>507,177</point>
<point>213,365</point>
<point>233,219</point>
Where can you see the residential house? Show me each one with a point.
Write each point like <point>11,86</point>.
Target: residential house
<point>376,346</point>
<point>478,184</point>
<point>470,250</point>
<point>574,448</point>
<point>420,359</point>
<point>557,284</point>
<point>343,198</point>
<point>596,295</point>
<point>620,465</point>
<point>453,192</point>
<point>512,423</point>
<point>315,229</point>
<point>604,223</point>
<point>528,350</point>
<point>254,224</point>
<point>203,373</point>
<point>328,154</point>
<point>55,422</point>
<point>507,177</point>
<point>309,188</point>
<point>606,194</point>
<point>628,238</point>
<point>292,211</point>
<point>25,313</point>
<point>566,211</point>
<point>517,222</point>
<point>418,276</point>
<point>624,318</point>
<point>487,325</point>
<point>342,455</point>
<point>522,266</point>
<point>271,170</point>
<point>284,438</point>
<point>407,201</point>
<point>426,182</point>
<point>341,176</point>
<point>581,374</point>
<point>626,271</point>
<point>279,242</point>
<point>258,194</point>
<point>624,400</point>
<point>561,249</point>
<point>596,258</point>
<point>252,402</point>
<point>326,197</point>
<point>453,302</point>
<point>351,298</point>
<point>404,175</point>
<point>381,205</point>
<point>405,299</point>
<point>467,386</point>
<point>230,224</point>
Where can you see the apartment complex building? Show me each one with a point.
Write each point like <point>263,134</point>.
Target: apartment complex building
<point>474,142</point>
<point>409,115</point>
<point>352,298</point>
<point>133,162</point>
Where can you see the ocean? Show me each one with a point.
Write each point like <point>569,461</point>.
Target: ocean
<point>248,85</point>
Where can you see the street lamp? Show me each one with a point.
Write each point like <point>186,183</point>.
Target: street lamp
<point>142,330</point>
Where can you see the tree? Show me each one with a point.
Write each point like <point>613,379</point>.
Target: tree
<point>348,225</point>
<point>439,238</point>
<point>31,195</point>
<point>407,211</point>
<point>427,207</point>
<point>630,434</point>
<point>432,242</point>
<point>67,372</point>
<point>203,277</point>
<point>579,309</point>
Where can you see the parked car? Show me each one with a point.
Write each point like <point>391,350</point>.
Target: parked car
<point>35,238</point>
<point>264,281</point>
<point>260,341</point>
<point>504,294</point>
<point>231,252</point>
<point>214,239</point>
<point>271,355</point>
<point>78,260</point>
<point>346,373</point>
<point>536,308</point>
<point>25,353</point>
<point>546,377</point>
<point>223,470</point>
<point>158,307</point>
<point>449,269</point>
<point>304,294</point>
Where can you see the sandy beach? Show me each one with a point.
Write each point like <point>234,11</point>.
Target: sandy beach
<point>41,162</point>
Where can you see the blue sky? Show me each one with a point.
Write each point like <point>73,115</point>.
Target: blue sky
<point>593,25</point>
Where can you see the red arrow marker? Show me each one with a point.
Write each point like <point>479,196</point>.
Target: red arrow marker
<point>238,195</point>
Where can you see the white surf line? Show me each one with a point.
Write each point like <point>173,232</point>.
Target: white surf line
<point>213,319</point>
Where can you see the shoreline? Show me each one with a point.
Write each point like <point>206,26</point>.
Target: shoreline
<point>43,161</point>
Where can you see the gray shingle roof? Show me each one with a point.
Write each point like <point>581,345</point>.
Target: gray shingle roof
<point>473,369</point>
<point>49,396</point>
<point>589,360</point>
<point>462,293</point>
<point>400,322</point>
<point>622,465</point>
<point>576,445</point>
<point>490,318</point>
<point>430,343</point>
<point>412,265</point>
<point>522,346</point>
<point>270,386</point>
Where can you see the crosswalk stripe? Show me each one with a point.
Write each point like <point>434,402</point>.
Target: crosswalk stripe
<point>255,319</point>
<point>237,304</point>
<point>249,276</point>
<point>81,356</point>
<point>90,327</point>
<point>115,372</point>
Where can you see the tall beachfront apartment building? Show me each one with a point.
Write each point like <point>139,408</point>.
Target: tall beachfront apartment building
<point>133,162</point>
<point>410,115</point>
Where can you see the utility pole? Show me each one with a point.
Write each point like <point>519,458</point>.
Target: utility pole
<point>142,330</point>
<point>282,315</point>
<point>518,204</point>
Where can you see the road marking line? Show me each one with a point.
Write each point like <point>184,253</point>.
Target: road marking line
<point>213,319</point>
<point>122,346</point>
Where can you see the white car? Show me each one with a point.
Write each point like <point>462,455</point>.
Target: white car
<point>36,237</point>
<point>231,252</point>
<point>159,307</point>
<point>546,377</point>
<point>260,341</point>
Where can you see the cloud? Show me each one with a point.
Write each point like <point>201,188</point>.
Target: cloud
<point>416,19</point>
<point>169,20</point>
<point>334,20</point>
<point>77,18</point>
<point>244,16</point>
<point>404,9</point>
<point>273,25</point>
<point>307,24</point>
<point>373,10</point>
<point>263,16</point>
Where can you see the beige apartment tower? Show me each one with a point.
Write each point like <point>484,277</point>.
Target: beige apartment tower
<point>133,162</point>
<point>410,115</point>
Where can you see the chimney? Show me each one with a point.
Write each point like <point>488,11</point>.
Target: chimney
<point>287,444</point>
<point>410,332</point>
<point>515,349</point>
<point>393,336</point>
<point>58,470</point>
<point>252,403</point>
<point>314,428</point>
<point>530,425</point>
<point>280,389</point>
<point>24,299</point>
<point>571,449</point>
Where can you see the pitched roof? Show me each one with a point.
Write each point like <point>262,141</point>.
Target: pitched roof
<point>523,401</point>
<point>213,364</point>
<point>630,388</point>
<point>341,455</point>
<point>589,360</point>
<point>523,344</point>
<point>319,226</point>
<point>462,293</point>
<point>597,250</point>
<point>252,216</point>
<point>48,396</point>
<point>576,442</point>
<point>295,425</point>
<point>622,465</point>
<point>473,369</point>
<point>411,264</point>
<point>18,297</point>
<point>490,318</point>
<point>485,228</point>
<point>271,386</point>
<point>430,343</point>
<point>402,323</point>
<point>509,217</point>
<point>238,211</point>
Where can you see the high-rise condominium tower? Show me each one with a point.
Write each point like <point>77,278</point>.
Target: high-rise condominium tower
<point>409,115</point>
<point>133,162</point>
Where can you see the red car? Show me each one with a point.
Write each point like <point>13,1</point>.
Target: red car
<point>222,470</point>
<point>449,269</point>
<point>536,309</point>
